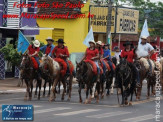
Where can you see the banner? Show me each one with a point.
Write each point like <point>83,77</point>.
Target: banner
<point>127,21</point>
<point>99,21</point>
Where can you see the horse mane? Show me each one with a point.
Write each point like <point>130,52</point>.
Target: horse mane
<point>50,65</point>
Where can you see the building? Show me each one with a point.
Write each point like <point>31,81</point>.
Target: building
<point>9,28</point>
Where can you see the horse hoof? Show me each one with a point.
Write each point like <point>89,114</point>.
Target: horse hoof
<point>68,100</point>
<point>86,102</point>
<point>126,102</point>
<point>130,103</point>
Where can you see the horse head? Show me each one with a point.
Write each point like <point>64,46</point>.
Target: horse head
<point>79,69</point>
<point>26,61</point>
<point>123,64</point>
<point>137,64</point>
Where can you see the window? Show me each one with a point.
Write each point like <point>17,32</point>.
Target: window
<point>58,34</point>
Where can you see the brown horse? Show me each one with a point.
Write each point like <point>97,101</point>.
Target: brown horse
<point>59,78</point>
<point>161,73</point>
<point>28,73</point>
<point>143,68</point>
<point>85,76</point>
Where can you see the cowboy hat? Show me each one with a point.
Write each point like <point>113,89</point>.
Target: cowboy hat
<point>144,37</point>
<point>99,42</point>
<point>106,44</point>
<point>116,48</point>
<point>49,39</point>
<point>60,41</point>
<point>127,43</point>
<point>92,41</point>
<point>36,43</point>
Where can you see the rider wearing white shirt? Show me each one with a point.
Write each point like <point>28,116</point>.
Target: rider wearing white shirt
<point>145,50</point>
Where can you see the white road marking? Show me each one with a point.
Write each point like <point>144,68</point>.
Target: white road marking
<point>105,115</point>
<point>139,118</point>
<point>49,110</point>
<point>77,112</point>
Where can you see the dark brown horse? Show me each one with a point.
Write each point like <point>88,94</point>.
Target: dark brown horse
<point>143,68</point>
<point>28,73</point>
<point>85,76</point>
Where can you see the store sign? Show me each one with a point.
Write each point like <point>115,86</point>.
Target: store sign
<point>127,21</point>
<point>99,21</point>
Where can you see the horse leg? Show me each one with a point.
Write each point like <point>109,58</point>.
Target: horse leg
<point>148,89</point>
<point>36,90</point>
<point>112,86</point>
<point>122,96</point>
<point>64,89</point>
<point>53,90</point>
<point>30,92</point>
<point>93,91</point>
<point>98,92</point>
<point>44,88</point>
<point>39,84</point>
<point>27,90</point>
<point>59,85</point>
<point>90,97</point>
<point>87,93</point>
<point>70,88</point>
<point>79,90</point>
<point>49,88</point>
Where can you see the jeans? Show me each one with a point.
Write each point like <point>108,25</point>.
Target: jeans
<point>68,68</point>
<point>104,67</point>
<point>37,60</point>
<point>98,68</point>
<point>111,66</point>
<point>137,75</point>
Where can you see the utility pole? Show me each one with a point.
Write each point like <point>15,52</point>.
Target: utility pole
<point>108,30</point>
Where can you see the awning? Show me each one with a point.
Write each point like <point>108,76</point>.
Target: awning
<point>27,28</point>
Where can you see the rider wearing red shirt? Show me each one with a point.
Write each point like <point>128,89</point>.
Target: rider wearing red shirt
<point>99,47</point>
<point>129,53</point>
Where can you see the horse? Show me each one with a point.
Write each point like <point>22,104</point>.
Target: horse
<point>143,68</point>
<point>161,73</point>
<point>85,76</point>
<point>125,80</point>
<point>59,77</point>
<point>47,72</point>
<point>28,73</point>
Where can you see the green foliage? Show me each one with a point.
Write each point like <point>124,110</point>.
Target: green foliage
<point>152,10</point>
<point>11,55</point>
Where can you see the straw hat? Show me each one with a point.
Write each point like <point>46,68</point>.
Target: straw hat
<point>49,39</point>
<point>99,42</point>
<point>36,43</point>
<point>144,37</point>
<point>92,41</point>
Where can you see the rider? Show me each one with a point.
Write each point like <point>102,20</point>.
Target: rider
<point>61,51</point>
<point>33,51</point>
<point>99,47</point>
<point>146,50</point>
<point>130,58</point>
<point>117,53</point>
<point>47,49</point>
<point>107,56</point>
<point>155,54</point>
<point>92,54</point>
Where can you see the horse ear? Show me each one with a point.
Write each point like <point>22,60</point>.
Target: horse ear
<point>120,56</point>
<point>126,57</point>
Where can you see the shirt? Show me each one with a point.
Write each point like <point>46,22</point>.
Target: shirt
<point>101,52</point>
<point>129,54</point>
<point>117,54</point>
<point>154,56</point>
<point>91,53</point>
<point>48,49</point>
<point>57,51</point>
<point>143,50</point>
<point>107,53</point>
<point>33,50</point>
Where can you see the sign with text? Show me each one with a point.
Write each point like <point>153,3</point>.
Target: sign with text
<point>17,112</point>
<point>127,21</point>
<point>99,21</point>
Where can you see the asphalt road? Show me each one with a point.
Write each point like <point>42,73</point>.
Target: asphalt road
<point>107,110</point>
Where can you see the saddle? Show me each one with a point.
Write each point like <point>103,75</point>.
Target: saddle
<point>94,67</point>
<point>64,66</point>
<point>35,64</point>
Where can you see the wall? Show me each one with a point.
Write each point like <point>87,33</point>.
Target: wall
<point>1,12</point>
<point>75,30</point>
